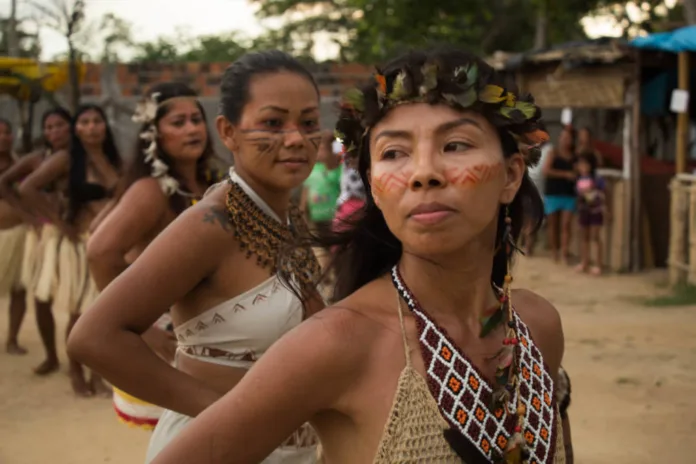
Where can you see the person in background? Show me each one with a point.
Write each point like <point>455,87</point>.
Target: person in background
<point>40,244</point>
<point>160,184</point>
<point>12,238</point>
<point>592,210</point>
<point>559,193</point>
<point>83,180</point>
<point>216,267</point>
<point>585,143</point>
<point>321,191</point>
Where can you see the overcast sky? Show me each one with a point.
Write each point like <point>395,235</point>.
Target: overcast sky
<point>154,18</point>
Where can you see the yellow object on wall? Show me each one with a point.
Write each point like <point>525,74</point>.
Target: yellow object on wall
<point>17,75</point>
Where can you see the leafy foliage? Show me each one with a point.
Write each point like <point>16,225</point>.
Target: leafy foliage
<point>368,30</point>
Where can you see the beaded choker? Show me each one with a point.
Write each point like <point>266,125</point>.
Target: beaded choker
<point>264,237</point>
<point>521,429</point>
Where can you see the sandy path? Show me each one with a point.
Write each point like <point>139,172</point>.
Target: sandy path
<point>632,369</point>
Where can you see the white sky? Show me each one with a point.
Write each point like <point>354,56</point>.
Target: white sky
<point>155,18</point>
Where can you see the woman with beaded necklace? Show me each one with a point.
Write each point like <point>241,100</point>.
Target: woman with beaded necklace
<point>428,356</point>
<point>215,265</point>
<point>169,173</point>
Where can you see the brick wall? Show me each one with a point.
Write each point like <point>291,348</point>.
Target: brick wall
<point>134,79</point>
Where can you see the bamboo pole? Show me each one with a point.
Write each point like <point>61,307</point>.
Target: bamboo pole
<point>682,118</point>
<point>628,173</point>
<point>677,251</point>
<point>636,209</point>
<point>691,279</point>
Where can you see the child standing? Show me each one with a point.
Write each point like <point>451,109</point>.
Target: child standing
<point>592,209</point>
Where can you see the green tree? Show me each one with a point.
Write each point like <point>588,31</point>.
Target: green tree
<point>116,33</point>
<point>162,49</point>
<point>67,18</point>
<point>212,48</point>
<point>368,30</point>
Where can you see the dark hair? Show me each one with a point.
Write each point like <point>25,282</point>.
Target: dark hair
<point>6,122</point>
<point>367,249</point>
<point>234,89</point>
<point>80,191</point>
<point>139,168</point>
<point>591,159</point>
<point>55,111</point>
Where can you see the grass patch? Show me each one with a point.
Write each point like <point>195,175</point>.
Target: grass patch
<point>682,295</point>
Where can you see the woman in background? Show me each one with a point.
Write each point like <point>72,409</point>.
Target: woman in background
<point>215,268</point>
<point>169,173</point>
<point>12,234</point>
<point>559,193</point>
<point>91,170</point>
<point>38,262</point>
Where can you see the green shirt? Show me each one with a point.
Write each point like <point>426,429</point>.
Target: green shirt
<point>323,188</point>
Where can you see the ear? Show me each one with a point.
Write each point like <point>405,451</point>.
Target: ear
<point>227,133</point>
<point>515,169</point>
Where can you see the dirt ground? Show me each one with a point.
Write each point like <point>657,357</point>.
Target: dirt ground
<point>632,368</point>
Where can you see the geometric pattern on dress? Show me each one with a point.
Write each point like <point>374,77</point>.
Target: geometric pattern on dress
<point>464,395</point>
<point>208,352</point>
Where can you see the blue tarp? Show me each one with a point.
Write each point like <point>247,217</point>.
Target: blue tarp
<point>679,40</point>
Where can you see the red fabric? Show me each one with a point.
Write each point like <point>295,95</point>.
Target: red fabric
<point>613,156</point>
<point>141,422</point>
<point>345,211</point>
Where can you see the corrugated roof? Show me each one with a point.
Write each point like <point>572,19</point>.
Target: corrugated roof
<point>598,51</point>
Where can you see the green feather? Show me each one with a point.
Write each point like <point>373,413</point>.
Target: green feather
<point>355,98</point>
<point>429,71</point>
<point>399,89</point>
<point>528,110</point>
<point>472,73</point>
<point>464,99</point>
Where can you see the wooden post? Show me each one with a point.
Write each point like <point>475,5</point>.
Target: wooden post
<point>682,118</point>
<point>628,173</point>
<point>636,210</point>
<point>677,250</point>
<point>691,278</point>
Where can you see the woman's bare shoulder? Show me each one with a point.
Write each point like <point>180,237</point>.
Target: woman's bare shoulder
<point>362,317</point>
<point>544,322</point>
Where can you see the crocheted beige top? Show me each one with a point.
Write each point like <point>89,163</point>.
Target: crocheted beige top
<point>414,430</point>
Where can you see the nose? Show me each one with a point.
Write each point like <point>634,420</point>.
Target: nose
<point>293,138</point>
<point>428,172</point>
<point>192,127</point>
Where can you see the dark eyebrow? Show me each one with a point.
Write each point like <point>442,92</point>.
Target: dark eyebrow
<point>286,111</point>
<point>456,123</point>
<point>439,130</point>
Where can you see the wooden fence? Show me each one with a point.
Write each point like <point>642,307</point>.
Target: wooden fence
<point>682,240</point>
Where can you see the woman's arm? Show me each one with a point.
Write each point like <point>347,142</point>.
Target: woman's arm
<point>290,384</point>
<point>108,337</point>
<point>127,224</point>
<point>31,190</point>
<point>14,174</point>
